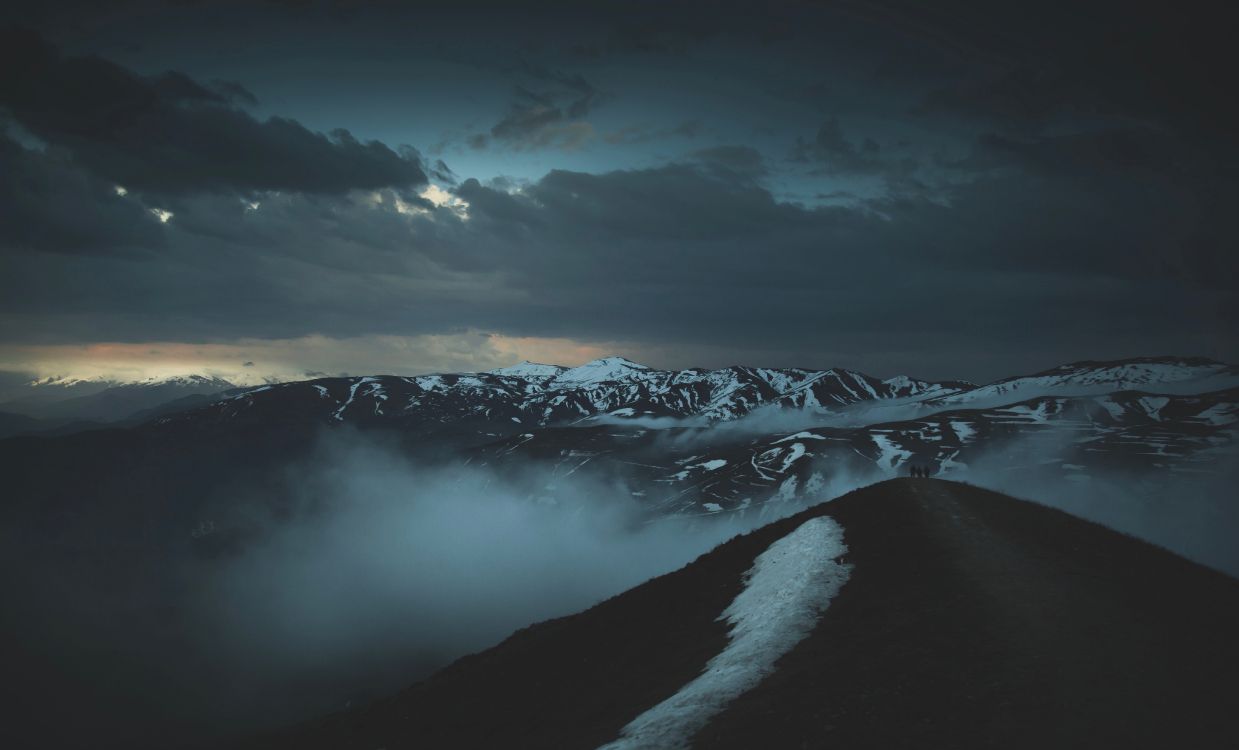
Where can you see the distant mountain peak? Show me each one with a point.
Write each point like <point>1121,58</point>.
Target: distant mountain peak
<point>193,379</point>
<point>186,380</point>
<point>1103,364</point>
<point>602,370</point>
<point>615,360</point>
<point>535,371</point>
<point>67,381</point>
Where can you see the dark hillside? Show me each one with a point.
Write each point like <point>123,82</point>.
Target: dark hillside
<point>971,619</point>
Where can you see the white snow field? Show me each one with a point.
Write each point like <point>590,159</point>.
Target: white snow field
<point>786,591</point>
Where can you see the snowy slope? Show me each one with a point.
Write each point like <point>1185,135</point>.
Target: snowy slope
<point>534,372</point>
<point>605,370</point>
<point>785,593</point>
<point>1155,374</point>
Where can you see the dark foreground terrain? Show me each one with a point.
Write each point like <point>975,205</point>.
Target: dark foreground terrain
<point>970,620</point>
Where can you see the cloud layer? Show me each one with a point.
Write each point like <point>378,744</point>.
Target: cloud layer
<point>950,198</point>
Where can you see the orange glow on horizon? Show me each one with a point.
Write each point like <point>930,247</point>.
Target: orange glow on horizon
<point>294,359</point>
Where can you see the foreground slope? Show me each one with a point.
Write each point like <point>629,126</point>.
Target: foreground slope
<point>969,619</point>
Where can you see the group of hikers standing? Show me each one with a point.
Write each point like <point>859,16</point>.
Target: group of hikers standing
<point>922,471</point>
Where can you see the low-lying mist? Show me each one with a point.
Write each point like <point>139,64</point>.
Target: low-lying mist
<point>361,572</point>
<point>387,569</point>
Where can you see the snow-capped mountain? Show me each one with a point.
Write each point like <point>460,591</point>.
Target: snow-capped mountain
<point>535,395</point>
<point>605,370</point>
<point>615,389</point>
<point>706,441</point>
<point>697,441</point>
<point>107,400</point>
<point>531,371</point>
<point>1157,374</point>
<point>692,471</point>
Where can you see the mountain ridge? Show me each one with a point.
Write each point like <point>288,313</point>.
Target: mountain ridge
<point>918,648</point>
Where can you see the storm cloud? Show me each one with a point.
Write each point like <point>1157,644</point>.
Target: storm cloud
<point>168,133</point>
<point>877,188</point>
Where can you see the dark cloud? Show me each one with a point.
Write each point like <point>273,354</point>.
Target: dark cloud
<point>1024,70</point>
<point>1086,154</point>
<point>633,134</point>
<point>683,257</point>
<point>832,153</point>
<point>733,161</point>
<point>550,117</point>
<point>443,173</point>
<point>1019,98</point>
<point>1003,188</point>
<point>168,133</point>
<point>898,170</point>
<point>48,203</point>
<point>234,92</point>
<point>835,152</point>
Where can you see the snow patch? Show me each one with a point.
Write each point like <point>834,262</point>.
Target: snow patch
<point>1153,406</point>
<point>605,370</point>
<point>800,436</point>
<point>796,453</point>
<point>786,591</point>
<point>352,393</point>
<point>963,431</point>
<point>1218,414</point>
<point>890,455</point>
<point>529,371</point>
<point>1116,410</point>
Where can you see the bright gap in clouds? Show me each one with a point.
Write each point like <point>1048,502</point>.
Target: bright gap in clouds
<point>295,358</point>
<point>437,196</point>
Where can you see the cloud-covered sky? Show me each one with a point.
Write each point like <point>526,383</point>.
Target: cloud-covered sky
<point>954,191</point>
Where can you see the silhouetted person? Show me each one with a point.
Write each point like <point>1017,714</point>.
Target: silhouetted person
<point>916,470</point>
<point>928,471</point>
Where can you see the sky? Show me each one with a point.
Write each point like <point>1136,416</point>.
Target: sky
<point>279,190</point>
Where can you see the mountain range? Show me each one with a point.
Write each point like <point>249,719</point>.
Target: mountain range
<point>112,534</point>
<point>686,442</point>
<point>701,441</point>
<point>60,405</point>
<point>692,442</point>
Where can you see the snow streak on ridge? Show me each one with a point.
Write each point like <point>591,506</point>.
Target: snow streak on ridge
<point>785,593</point>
